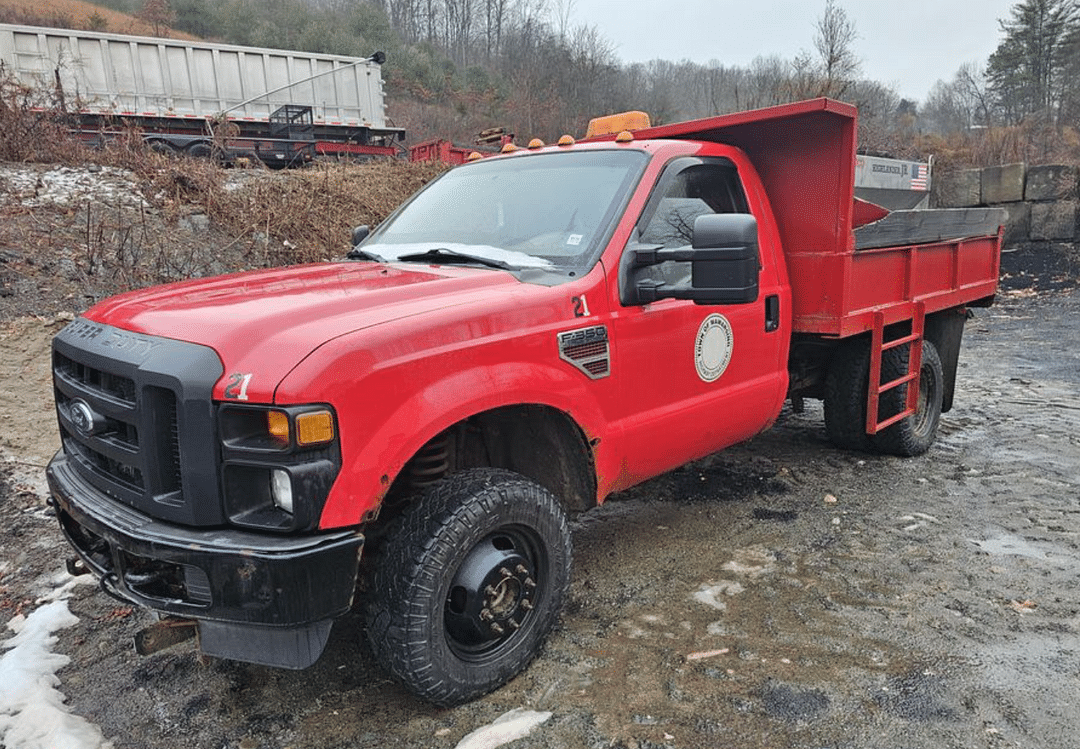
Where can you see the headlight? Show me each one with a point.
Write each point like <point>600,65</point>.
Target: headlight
<point>278,464</point>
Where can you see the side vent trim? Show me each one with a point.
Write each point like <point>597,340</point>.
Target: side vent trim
<point>587,349</point>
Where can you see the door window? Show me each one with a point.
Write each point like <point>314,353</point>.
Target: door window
<point>699,189</point>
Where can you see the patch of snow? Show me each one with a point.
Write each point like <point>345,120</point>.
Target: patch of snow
<point>508,727</point>
<point>753,562</point>
<point>709,593</point>
<point>66,186</point>
<point>717,628</point>
<point>32,710</point>
<point>63,584</point>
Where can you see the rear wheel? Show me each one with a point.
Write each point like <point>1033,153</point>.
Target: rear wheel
<point>157,145</point>
<point>200,150</point>
<point>846,385</point>
<point>469,584</point>
<point>915,434</point>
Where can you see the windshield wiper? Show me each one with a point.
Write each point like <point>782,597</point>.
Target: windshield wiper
<point>438,255</point>
<point>357,253</point>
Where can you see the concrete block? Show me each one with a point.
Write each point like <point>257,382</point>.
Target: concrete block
<point>1053,182</point>
<point>1053,221</point>
<point>959,189</point>
<point>1017,223</point>
<point>1003,184</point>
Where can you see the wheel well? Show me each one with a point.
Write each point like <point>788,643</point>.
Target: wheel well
<point>539,442</point>
<point>811,355</point>
<point>945,330</point>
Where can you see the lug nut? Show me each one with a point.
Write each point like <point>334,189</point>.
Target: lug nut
<point>520,569</point>
<point>526,604</point>
<point>486,615</point>
<point>530,583</point>
<point>497,629</point>
<point>505,572</point>
<point>514,624</point>
<point>490,590</point>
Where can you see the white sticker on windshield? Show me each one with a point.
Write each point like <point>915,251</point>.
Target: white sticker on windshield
<point>575,239</point>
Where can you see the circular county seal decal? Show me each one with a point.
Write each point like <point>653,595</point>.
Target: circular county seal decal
<point>712,349</point>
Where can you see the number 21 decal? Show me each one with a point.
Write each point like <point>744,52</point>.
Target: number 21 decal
<point>236,388</point>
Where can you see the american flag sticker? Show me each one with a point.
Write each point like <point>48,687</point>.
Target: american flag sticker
<point>919,175</point>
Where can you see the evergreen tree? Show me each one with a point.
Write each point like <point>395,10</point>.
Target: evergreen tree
<point>1027,71</point>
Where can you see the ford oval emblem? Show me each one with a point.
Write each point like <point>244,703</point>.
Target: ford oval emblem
<point>83,418</point>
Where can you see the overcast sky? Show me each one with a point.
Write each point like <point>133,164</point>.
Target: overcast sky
<point>908,44</point>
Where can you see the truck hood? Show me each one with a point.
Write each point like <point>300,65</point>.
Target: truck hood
<point>267,321</point>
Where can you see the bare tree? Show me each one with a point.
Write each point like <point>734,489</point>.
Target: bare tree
<point>833,41</point>
<point>159,15</point>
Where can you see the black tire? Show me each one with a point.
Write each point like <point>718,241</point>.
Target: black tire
<point>199,150</point>
<point>469,584</point>
<point>159,146</point>
<point>913,435</point>
<point>846,385</point>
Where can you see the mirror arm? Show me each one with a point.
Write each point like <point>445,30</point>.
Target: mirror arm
<point>644,255</point>
<point>647,255</point>
<point>650,291</point>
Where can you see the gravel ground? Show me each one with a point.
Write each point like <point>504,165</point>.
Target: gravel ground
<point>781,593</point>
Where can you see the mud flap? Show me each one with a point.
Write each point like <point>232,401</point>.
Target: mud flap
<point>281,647</point>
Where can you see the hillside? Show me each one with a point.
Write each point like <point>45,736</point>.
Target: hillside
<point>76,14</point>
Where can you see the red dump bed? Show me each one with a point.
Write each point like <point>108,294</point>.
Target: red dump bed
<point>805,156</point>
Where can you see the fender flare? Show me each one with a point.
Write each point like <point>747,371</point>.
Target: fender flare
<point>373,459</point>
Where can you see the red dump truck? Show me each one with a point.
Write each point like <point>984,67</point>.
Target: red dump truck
<point>527,335</point>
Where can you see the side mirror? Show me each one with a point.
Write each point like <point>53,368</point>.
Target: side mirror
<point>727,262</point>
<point>724,264</point>
<point>359,234</point>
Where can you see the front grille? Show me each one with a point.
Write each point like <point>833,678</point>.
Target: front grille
<point>108,448</point>
<point>88,458</point>
<point>105,384</point>
<point>129,423</point>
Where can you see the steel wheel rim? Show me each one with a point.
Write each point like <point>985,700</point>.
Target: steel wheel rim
<point>492,599</point>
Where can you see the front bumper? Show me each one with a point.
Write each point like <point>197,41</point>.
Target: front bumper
<point>257,597</point>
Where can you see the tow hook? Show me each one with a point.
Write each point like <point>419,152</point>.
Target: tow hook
<point>164,634</point>
<point>76,567</point>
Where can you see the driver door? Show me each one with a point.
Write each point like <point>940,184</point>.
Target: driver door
<point>694,378</point>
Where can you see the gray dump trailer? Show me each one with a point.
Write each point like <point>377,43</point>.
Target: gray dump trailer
<point>280,106</point>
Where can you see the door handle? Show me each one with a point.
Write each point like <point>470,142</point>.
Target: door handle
<point>772,313</point>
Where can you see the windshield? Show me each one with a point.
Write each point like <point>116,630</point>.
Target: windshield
<point>551,211</point>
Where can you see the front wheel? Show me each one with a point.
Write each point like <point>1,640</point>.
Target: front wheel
<point>469,584</point>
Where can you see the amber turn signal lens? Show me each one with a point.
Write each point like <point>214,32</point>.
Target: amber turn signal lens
<point>314,428</point>
<point>277,423</point>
